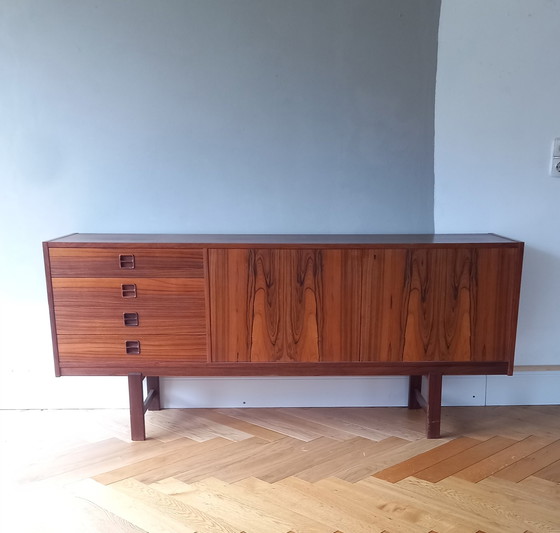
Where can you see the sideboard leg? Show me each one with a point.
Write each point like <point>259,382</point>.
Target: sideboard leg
<point>433,407</point>
<point>153,385</point>
<point>136,397</point>
<point>414,389</point>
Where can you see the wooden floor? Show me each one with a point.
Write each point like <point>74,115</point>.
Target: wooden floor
<point>348,470</point>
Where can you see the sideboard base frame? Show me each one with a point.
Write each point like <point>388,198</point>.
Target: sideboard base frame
<point>431,405</point>
<point>139,405</point>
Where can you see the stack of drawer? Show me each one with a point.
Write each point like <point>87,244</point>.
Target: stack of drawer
<point>125,306</point>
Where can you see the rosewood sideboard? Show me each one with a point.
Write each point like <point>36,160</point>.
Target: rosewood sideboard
<point>283,305</point>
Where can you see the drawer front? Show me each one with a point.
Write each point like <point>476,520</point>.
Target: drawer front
<point>140,293</point>
<point>124,348</point>
<point>125,262</point>
<point>183,320</point>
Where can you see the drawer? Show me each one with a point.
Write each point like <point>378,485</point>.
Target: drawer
<point>124,347</point>
<point>130,320</point>
<point>137,293</point>
<point>125,262</point>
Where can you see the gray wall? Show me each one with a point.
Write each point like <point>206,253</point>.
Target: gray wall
<point>283,116</point>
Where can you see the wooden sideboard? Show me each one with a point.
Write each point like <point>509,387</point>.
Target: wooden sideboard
<point>283,305</point>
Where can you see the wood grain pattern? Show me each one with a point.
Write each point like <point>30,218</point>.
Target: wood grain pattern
<point>284,305</point>
<point>424,460</point>
<point>179,320</point>
<point>439,306</point>
<point>531,464</point>
<point>498,278</point>
<point>305,306</point>
<point>86,475</point>
<point>96,306</point>
<point>104,262</point>
<point>87,347</point>
<point>464,459</point>
<point>385,288</point>
<point>503,459</point>
<point>276,305</point>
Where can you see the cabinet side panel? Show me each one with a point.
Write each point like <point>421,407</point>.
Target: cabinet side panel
<point>231,294</point>
<point>498,273</point>
<point>384,301</point>
<point>438,314</point>
<point>46,257</point>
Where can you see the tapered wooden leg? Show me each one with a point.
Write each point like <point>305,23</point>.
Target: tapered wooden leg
<point>433,407</point>
<point>136,397</point>
<point>414,388</point>
<point>154,401</point>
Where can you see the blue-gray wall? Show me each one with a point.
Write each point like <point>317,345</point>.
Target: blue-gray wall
<point>216,116</point>
<point>282,116</point>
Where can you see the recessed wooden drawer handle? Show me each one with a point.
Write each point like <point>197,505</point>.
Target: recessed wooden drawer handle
<point>130,319</point>
<point>132,347</point>
<point>126,261</point>
<point>128,290</point>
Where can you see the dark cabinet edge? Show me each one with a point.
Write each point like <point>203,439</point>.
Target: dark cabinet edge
<point>50,299</point>
<point>79,240</point>
<point>182,369</point>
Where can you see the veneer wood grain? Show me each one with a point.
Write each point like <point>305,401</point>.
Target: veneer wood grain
<point>104,262</point>
<point>98,347</point>
<point>285,305</point>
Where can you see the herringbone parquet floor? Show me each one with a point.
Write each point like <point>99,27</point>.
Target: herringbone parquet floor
<point>349,470</point>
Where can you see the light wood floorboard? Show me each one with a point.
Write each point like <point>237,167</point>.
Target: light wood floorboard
<point>296,470</point>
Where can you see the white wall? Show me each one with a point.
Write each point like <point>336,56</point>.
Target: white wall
<point>497,112</point>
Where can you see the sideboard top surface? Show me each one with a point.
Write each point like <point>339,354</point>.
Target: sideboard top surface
<point>310,240</point>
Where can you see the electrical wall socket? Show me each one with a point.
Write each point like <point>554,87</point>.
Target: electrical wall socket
<point>556,147</point>
<point>555,167</point>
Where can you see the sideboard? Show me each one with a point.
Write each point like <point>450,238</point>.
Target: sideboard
<point>147,306</point>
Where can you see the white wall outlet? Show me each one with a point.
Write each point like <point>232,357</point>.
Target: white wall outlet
<point>556,147</point>
<point>555,167</point>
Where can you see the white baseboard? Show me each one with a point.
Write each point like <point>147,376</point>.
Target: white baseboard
<point>284,392</point>
<point>524,388</point>
<point>386,391</point>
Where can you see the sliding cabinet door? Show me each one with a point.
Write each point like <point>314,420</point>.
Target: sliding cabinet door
<point>285,305</point>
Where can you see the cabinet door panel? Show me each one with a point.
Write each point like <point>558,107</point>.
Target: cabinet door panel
<point>341,295</point>
<point>439,311</point>
<point>417,305</point>
<point>231,294</point>
<point>385,288</point>
<point>272,305</point>
<point>285,303</point>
